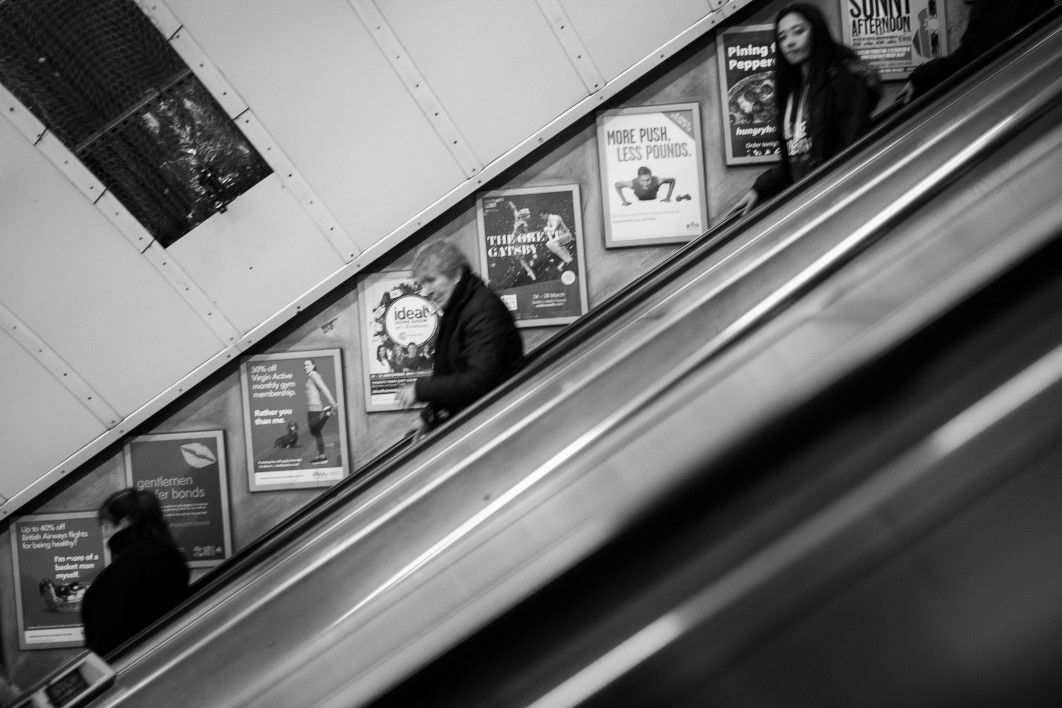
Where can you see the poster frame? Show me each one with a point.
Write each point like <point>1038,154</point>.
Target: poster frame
<point>20,619</point>
<point>367,352</point>
<point>580,242</point>
<point>340,395</point>
<point>904,74</point>
<point>724,99</point>
<point>607,180</point>
<point>223,481</point>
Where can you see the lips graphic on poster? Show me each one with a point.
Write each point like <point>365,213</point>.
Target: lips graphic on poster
<point>197,455</point>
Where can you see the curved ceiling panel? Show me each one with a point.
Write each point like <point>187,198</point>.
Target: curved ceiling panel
<point>522,78</point>
<point>620,34</point>
<point>74,279</point>
<point>257,257</point>
<point>43,421</point>
<point>324,91</point>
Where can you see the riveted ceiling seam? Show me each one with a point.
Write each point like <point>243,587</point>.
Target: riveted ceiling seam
<point>424,96</point>
<point>65,374</point>
<point>572,44</point>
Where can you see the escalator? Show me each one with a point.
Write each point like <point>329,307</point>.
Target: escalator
<point>433,555</point>
<point>890,540</point>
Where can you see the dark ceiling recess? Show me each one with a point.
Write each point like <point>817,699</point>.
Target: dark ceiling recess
<point>103,80</point>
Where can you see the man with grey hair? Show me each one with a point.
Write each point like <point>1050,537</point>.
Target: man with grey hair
<point>477,346</point>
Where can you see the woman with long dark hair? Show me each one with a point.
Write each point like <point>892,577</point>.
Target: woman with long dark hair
<point>824,94</point>
<point>147,575</point>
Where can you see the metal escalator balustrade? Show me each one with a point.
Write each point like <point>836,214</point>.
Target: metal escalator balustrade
<point>999,214</point>
<point>943,253</point>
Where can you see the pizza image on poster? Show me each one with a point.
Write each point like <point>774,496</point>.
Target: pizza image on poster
<point>531,252</point>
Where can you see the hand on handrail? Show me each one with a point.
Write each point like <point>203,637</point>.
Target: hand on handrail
<point>744,205</point>
<point>905,96</point>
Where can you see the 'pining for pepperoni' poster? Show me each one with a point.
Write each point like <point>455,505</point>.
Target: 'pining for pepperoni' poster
<point>746,82</point>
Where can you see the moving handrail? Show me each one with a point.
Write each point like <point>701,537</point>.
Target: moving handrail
<point>575,632</point>
<point>477,571</point>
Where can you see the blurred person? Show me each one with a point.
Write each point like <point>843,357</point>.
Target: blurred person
<point>317,412</point>
<point>147,575</point>
<point>989,23</point>
<point>646,186</point>
<point>478,345</point>
<point>824,95</point>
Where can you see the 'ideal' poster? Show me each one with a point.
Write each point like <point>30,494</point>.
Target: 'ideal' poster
<point>399,341</point>
<point>186,471</point>
<point>55,558</point>
<point>895,36</point>
<point>652,174</point>
<point>294,419</point>
<point>746,80</point>
<point>531,252</point>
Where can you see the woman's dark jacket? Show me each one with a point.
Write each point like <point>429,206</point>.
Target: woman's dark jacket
<point>839,108</point>
<point>477,348</point>
<point>143,582</point>
<point>991,21</point>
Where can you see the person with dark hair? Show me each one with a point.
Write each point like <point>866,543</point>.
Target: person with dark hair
<point>477,346</point>
<point>824,95</point>
<point>317,412</point>
<point>385,360</point>
<point>645,186</point>
<point>147,575</point>
<point>989,23</point>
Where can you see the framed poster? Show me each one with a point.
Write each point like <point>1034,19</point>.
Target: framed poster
<point>399,337</point>
<point>531,252</point>
<point>295,419</point>
<point>895,36</point>
<point>186,471</point>
<point>55,558</point>
<point>746,81</point>
<point>652,174</point>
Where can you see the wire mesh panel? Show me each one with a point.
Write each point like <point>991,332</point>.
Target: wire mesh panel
<point>100,77</point>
